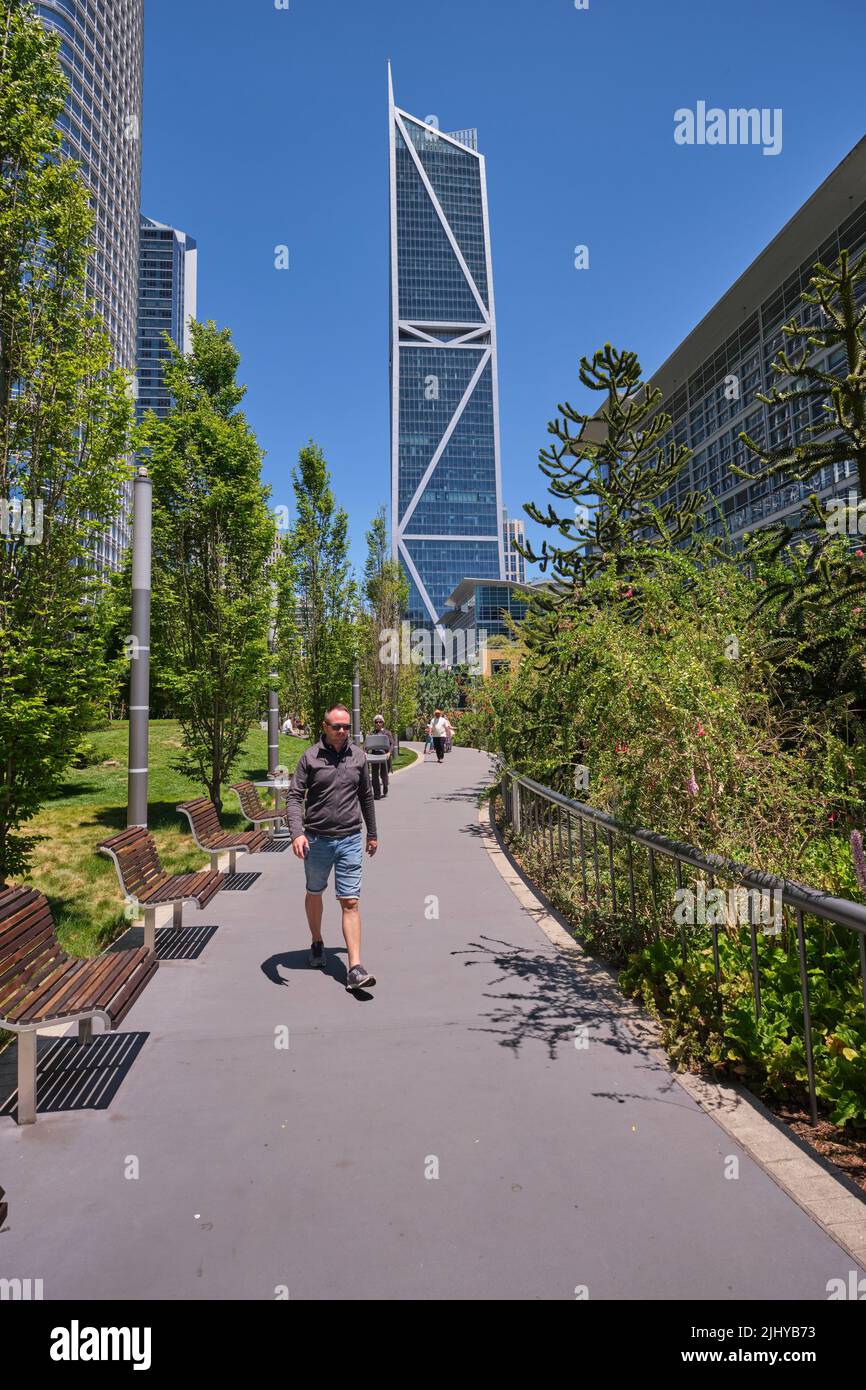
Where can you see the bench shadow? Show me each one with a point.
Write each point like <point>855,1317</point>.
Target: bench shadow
<point>172,943</point>
<point>69,1076</point>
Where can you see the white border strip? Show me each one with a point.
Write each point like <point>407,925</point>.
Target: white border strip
<point>741,1115</point>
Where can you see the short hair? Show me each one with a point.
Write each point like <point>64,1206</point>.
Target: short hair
<point>331,708</point>
<point>377,717</point>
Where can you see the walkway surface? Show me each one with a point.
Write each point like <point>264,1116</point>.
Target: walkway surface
<point>228,1166</point>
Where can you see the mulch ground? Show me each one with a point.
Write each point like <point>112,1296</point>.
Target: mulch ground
<point>844,1148</point>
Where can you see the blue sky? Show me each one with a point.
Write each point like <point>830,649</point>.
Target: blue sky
<point>266,127</point>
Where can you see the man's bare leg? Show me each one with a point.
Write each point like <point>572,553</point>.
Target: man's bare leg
<point>352,929</point>
<point>313,905</point>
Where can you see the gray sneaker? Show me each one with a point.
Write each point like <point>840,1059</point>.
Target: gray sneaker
<point>358,977</point>
<point>317,955</point>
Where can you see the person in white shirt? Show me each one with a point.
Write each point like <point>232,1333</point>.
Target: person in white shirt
<point>439,730</point>
<point>449,735</point>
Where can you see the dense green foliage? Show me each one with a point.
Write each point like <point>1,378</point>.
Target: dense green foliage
<point>212,539</point>
<point>612,470</point>
<point>65,414</point>
<point>387,681</point>
<point>680,689</point>
<point>316,638</point>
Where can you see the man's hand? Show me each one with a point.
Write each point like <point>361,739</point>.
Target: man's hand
<point>301,846</point>
<point>372,845</point>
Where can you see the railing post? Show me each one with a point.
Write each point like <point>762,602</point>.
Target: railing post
<point>631,885</point>
<point>612,874</point>
<point>582,855</point>
<point>515,806</point>
<point>678,871</point>
<point>807,1018</point>
<point>595,864</point>
<point>754,941</point>
<point>715,930</point>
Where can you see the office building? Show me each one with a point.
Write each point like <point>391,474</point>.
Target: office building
<point>446,502</point>
<point>480,609</point>
<point>166,304</point>
<point>101,54</point>
<point>709,384</point>
<point>515,563</point>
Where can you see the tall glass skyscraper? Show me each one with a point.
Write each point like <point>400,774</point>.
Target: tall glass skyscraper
<point>101,54</point>
<point>167,282</point>
<point>446,491</point>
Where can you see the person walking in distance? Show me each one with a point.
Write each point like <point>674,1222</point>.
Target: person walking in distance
<point>381,771</point>
<point>326,833</point>
<point>449,735</point>
<point>439,728</point>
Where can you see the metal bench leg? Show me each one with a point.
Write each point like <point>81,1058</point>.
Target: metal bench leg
<point>233,861</point>
<point>177,914</point>
<point>150,928</point>
<point>85,1031</point>
<point>27,1078</point>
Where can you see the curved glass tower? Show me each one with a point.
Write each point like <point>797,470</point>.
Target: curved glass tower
<point>446,485</point>
<point>101,54</point>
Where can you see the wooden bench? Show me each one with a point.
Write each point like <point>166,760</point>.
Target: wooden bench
<point>209,835</point>
<point>253,809</point>
<point>41,985</point>
<point>145,882</point>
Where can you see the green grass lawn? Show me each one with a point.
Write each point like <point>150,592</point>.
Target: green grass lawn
<point>90,805</point>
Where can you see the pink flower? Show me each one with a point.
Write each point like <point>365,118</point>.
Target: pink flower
<point>702,733</point>
<point>692,786</point>
<point>859,554</point>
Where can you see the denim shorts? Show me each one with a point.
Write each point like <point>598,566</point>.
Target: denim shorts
<point>342,852</point>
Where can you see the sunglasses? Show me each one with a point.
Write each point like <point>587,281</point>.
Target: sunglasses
<point>341,728</point>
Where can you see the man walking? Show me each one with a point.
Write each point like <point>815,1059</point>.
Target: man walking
<point>380,771</point>
<point>326,833</point>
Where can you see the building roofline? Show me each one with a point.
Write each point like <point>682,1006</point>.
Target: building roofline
<point>465,586</point>
<point>828,206</point>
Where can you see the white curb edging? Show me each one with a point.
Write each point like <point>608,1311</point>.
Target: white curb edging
<point>741,1115</point>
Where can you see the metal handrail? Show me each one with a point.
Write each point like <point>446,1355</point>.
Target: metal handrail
<point>842,911</point>
<point>801,898</point>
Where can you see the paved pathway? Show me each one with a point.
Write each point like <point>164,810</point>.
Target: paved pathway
<point>263,1168</point>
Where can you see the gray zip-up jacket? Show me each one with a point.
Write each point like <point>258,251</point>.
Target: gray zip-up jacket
<point>338,792</point>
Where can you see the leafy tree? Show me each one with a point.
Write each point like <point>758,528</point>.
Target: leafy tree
<point>386,687</point>
<point>65,415</point>
<point>612,470</point>
<point>116,603</point>
<point>439,687</point>
<point>837,320</point>
<point>212,537</point>
<point>316,634</point>
<point>288,655</point>
<point>833,316</point>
